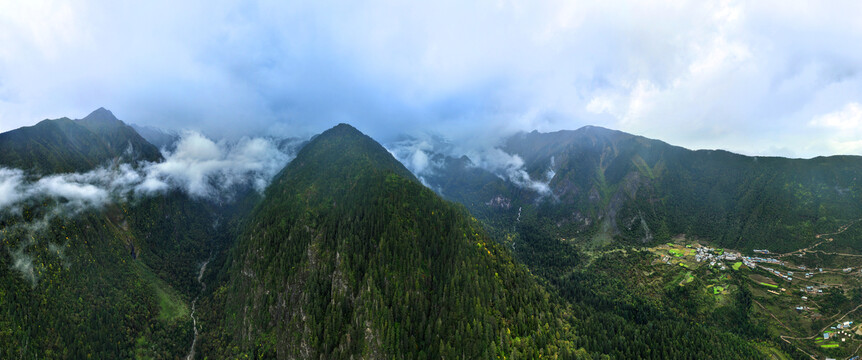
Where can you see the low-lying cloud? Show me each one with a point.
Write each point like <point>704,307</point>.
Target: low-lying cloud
<point>200,167</point>
<point>204,168</point>
<point>737,75</point>
<point>425,157</point>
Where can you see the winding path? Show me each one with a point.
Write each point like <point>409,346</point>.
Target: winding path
<point>787,338</point>
<point>842,229</point>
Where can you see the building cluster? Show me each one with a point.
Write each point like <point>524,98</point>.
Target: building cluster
<point>811,290</point>
<point>841,329</point>
<point>786,276</point>
<point>713,256</point>
<point>752,261</point>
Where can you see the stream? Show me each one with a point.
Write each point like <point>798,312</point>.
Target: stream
<point>191,354</point>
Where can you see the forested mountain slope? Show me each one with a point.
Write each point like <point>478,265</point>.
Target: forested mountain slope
<point>606,184</point>
<point>113,282</point>
<point>105,279</point>
<point>64,145</point>
<point>348,255</point>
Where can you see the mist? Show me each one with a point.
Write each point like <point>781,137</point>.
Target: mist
<point>200,167</point>
<point>424,156</point>
<point>756,78</point>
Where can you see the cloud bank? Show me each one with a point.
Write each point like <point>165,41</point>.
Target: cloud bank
<point>199,166</point>
<point>424,156</point>
<point>743,76</point>
<point>204,168</point>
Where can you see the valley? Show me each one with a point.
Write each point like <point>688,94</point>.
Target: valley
<point>347,253</point>
<point>203,268</point>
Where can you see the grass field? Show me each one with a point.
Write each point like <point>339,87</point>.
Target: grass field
<point>171,304</point>
<point>769,285</point>
<point>736,265</point>
<point>771,352</point>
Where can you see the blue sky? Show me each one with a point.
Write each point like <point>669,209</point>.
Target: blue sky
<point>761,77</point>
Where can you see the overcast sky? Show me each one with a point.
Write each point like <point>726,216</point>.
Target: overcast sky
<point>760,77</point>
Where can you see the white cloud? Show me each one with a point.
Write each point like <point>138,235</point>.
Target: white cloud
<point>10,181</point>
<point>849,118</point>
<point>509,167</point>
<point>842,128</point>
<point>420,157</point>
<point>204,168</point>
<point>747,76</point>
<point>70,188</point>
<point>199,167</point>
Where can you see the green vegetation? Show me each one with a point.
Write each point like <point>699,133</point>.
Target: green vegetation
<point>63,145</point>
<point>105,283</point>
<point>603,188</point>
<point>86,296</point>
<point>363,261</point>
<point>171,305</point>
<point>347,255</point>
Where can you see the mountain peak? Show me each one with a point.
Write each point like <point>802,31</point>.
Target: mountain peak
<point>343,129</point>
<point>64,145</point>
<point>346,151</point>
<point>101,115</point>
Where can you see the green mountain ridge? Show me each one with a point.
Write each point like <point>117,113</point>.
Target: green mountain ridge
<point>64,145</point>
<point>609,185</point>
<point>105,282</point>
<point>348,255</point>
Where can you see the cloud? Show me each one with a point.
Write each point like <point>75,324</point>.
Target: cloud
<point>198,166</point>
<point>848,118</point>
<point>415,154</point>
<point>845,126</point>
<point>745,76</point>
<point>72,189</point>
<point>509,167</point>
<point>204,168</point>
<point>424,157</point>
<point>10,181</point>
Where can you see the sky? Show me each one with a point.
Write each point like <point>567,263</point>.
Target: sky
<point>760,78</point>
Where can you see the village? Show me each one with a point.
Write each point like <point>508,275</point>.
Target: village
<point>787,292</point>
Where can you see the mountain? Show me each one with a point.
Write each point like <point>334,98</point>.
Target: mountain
<point>64,145</point>
<point>114,282</point>
<point>349,256</point>
<point>158,137</point>
<point>605,185</point>
<point>111,281</point>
